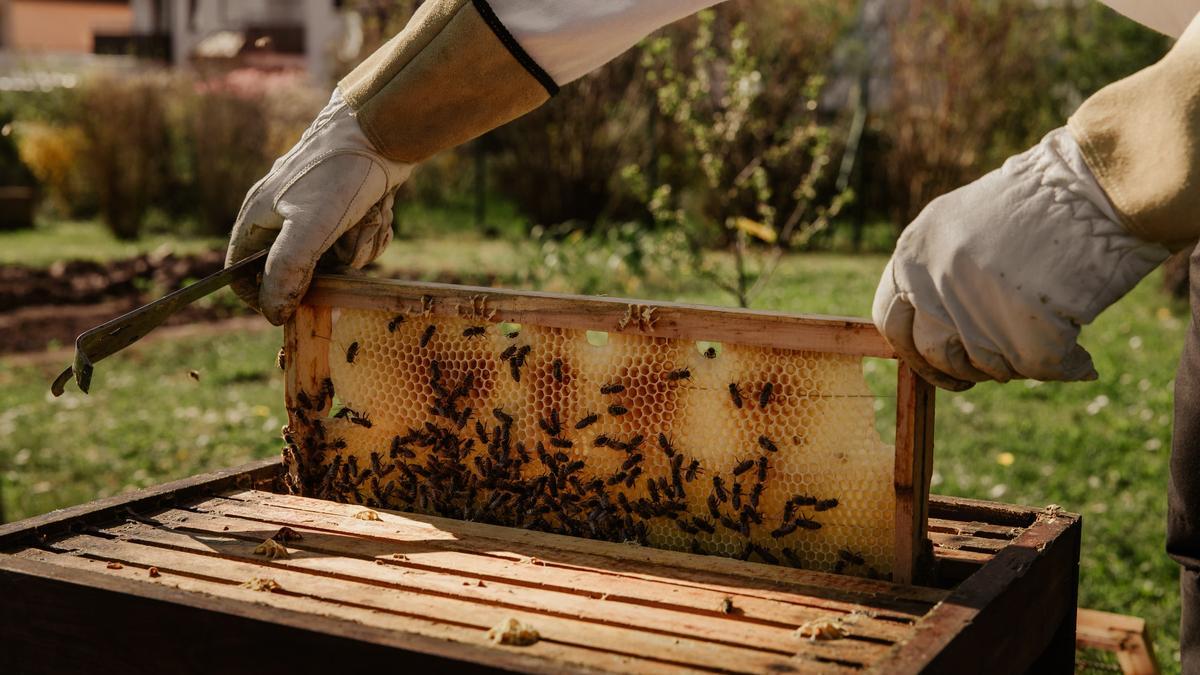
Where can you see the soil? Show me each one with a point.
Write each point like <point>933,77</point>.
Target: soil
<point>47,307</point>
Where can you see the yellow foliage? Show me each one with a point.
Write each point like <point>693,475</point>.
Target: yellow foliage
<point>52,154</point>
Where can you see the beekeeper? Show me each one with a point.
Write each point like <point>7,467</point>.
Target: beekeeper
<point>991,281</point>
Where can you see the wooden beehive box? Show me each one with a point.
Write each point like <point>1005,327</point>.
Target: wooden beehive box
<point>699,409</point>
<point>235,572</point>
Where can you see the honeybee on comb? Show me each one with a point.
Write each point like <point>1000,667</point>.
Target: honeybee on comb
<point>677,375</point>
<point>351,352</point>
<point>474,331</point>
<point>395,323</point>
<point>427,335</point>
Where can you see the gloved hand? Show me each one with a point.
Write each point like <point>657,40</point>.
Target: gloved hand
<point>333,192</point>
<point>994,280</point>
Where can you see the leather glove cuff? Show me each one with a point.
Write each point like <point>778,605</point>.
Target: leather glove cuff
<point>1141,138</point>
<point>452,74</point>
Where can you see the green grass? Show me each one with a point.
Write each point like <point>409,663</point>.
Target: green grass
<point>52,241</point>
<point>1098,448</point>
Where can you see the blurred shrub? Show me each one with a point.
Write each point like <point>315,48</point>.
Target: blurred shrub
<point>230,129</point>
<point>974,82</point>
<point>126,133</point>
<point>13,170</point>
<point>54,155</point>
<point>186,147</point>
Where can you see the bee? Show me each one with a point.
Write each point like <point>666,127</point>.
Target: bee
<point>851,557</point>
<point>766,555</point>
<point>652,486</point>
<point>719,489</point>
<point>427,335</point>
<point>803,500</point>
<point>710,353</point>
<point>763,465</point>
<point>617,410</point>
<point>549,426</point>
<point>735,394</point>
<point>696,548</point>
<point>572,468</point>
<point>281,359</point>
<point>522,352</point>
<point>558,370</point>
<point>677,375</point>
<point>767,444</point>
<point>508,353</point>
<point>825,505</point>
<point>692,470</point>
<point>587,421</point>
<point>713,506</point>
<point>634,443</point>
<point>736,495</point>
<point>687,528</point>
<point>601,441</point>
<point>730,524</point>
<point>305,401</point>
<point>362,420</point>
<point>631,462</point>
<point>351,352</point>
<point>617,477</point>
<point>474,331</point>
<point>504,417</point>
<point>514,368</point>
<point>743,466</point>
<point>756,494</point>
<point>783,530</point>
<point>765,396</point>
<point>703,525</point>
<point>398,450</point>
<point>808,524</point>
<point>612,388</point>
<point>561,442</point>
<point>633,476</point>
<point>512,335</point>
<point>792,557</point>
<point>665,444</point>
<point>395,323</point>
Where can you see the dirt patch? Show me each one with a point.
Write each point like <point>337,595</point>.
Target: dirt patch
<point>46,308</point>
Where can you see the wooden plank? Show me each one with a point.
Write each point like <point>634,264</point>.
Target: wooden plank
<point>444,570</point>
<point>66,614</point>
<point>963,542</point>
<point>974,528</point>
<point>306,339</point>
<point>627,559</point>
<point>913,471</point>
<point>964,509</point>
<point>838,335</point>
<point>257,473</point>
<point>987,619</point>
<point>1126,636</point>
<point>436,579</point>
<point>478,616</point>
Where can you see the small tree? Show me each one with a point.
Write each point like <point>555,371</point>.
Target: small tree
<point>740,148</point>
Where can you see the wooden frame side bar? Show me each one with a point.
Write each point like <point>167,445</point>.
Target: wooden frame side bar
<point>1016,614</point>
<point>838,335</point>
<point>1125,636</point>
<point>913,471</point>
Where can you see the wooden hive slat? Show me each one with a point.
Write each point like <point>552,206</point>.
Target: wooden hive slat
<point>310,331</point>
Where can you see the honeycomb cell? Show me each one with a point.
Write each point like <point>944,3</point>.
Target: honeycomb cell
<point>769,454</point>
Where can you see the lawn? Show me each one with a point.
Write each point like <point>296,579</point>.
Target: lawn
<point>1098,448</point>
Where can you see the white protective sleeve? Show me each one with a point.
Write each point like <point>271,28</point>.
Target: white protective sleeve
<point>1169,17</point>
<point>570,38</point>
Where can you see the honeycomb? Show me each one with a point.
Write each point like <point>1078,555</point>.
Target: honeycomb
<point>731,450</point>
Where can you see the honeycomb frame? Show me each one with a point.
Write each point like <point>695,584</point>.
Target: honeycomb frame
<point>314,359</point>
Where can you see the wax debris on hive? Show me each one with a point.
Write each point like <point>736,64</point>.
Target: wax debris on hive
<point>751,452</point>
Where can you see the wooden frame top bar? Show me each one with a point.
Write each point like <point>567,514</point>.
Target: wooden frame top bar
<point>806,332</point>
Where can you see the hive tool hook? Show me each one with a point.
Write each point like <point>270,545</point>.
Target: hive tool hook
<point>112,336</point>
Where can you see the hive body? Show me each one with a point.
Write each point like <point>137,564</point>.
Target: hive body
<point>444,446</point>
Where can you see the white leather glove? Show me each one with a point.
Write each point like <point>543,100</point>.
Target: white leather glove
<point>994,280</point>
<point>332,192</point>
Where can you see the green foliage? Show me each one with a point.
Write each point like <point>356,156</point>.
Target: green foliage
<point>717,104</point>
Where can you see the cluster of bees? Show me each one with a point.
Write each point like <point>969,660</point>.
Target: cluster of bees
<point>467,463</point>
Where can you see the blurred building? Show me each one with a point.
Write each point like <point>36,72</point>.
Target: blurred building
<point>268,34</point>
